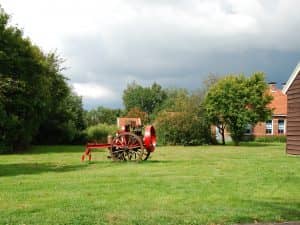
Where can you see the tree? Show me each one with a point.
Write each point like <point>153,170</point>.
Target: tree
<point>237,101</point>
<point>175,100</point>
<point>65,122</point>
<point>211,80</point>
<point>33,92</point>
<point>181,119</point>
<point>137,113</point>
<point>145,98</point>
<point>12,111</point>
<point>102,115</point>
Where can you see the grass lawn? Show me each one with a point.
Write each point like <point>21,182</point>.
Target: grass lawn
<point>178,185</point>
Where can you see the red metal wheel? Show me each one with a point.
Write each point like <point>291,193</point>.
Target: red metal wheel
<point>127,147</point>
<point>150,138</point>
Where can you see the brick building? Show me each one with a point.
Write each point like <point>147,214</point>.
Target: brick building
<point>277,125</point>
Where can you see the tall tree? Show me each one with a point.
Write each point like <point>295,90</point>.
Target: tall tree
<point>65,114</point>
<point>237,101</point>
<point>31,87</point>
<point>137,113</point>
<point>102,115</point>
<point>181,119</point>
<point>145,98</point>
<point>25,104</point>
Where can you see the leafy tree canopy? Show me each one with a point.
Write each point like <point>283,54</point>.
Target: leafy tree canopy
<point>237,101</point>
<point>146,99</point>
<point>137,113</point>
<point>102,115</point>
<point>33,92</point>
<point>181,119</point>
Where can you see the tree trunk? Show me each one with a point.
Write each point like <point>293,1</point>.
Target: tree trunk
<point>222,132</point>
<point>223,137</point>
<point>236,138</point>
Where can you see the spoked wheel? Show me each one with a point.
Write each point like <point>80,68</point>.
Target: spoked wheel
<point>127,147</point>
<point>146,155</point>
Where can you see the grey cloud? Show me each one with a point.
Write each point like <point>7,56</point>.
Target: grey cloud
<point>158,49</point>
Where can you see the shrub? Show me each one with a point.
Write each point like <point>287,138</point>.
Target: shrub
<point>280,138</point>
<point>181,128</point>
<point>99,133</point>
<point>4,149</point>
<point>136,112</point>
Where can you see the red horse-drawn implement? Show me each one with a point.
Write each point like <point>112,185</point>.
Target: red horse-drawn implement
<point>129,142</point>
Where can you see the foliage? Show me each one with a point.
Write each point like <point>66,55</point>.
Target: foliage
<point>145,98</point>
<point>182,120</point>
<point>102,115</point>
<point>13,112</point>
<point>137,113</point>
<point>33,92</point>
<point>99,132</point>
<point>271,138</point>
<point>65,122</point>
<point>210,80</point>
<point>23,72</point>
<point>175,101</point>
<point>237,101</point>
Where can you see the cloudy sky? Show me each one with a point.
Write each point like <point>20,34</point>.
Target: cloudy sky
<point>108,44</point>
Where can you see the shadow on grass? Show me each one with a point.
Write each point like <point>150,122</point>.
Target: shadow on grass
<point>272,211</point>
<point>254,144</point>
<point>150,161</point>
<point>35,168</point>
<point>45,149</point>
<point>111,162</point>
<point>48,149</point>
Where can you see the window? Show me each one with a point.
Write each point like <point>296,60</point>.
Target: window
<point>248,129</point>
<point>281,126</point>
<point>269,127</point>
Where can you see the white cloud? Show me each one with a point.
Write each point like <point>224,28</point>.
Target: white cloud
<point>92,91</point>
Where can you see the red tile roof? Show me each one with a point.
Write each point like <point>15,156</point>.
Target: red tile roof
<point>279,102</point>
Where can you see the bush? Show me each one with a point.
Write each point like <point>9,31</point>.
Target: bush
<point>248,138</point>
<point>271,139</point>
<point>99,133</point>
<point>4,149</point>
<point>80,138</point>
<point>181,128</point>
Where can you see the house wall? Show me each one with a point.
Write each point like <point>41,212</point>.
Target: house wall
<point>293,118</point>
<point>260,129</point>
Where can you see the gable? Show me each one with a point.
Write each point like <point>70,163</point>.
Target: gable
<point>291,79</point>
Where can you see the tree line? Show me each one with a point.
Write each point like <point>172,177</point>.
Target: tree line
<point>37,106</point>
<point>36,103</point>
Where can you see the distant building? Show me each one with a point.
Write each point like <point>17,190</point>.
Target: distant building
<point>277,125</point>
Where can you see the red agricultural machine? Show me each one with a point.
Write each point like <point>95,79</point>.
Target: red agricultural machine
<point>129,143</point>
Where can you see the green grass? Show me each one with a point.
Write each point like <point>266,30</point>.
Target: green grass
<point>178,185</point>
